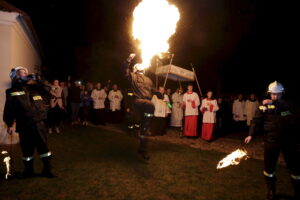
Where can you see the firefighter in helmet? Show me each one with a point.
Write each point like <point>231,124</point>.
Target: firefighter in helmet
<point>141,87</point>
<point>281,134</point>
<point>25,106</point>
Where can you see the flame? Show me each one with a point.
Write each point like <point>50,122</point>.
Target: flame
<point>233,158</point>
<point>6,160</point>
<point>154,23</point>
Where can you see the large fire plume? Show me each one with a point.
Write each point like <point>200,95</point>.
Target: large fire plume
<point>153,24</point>
<point>233,158</point>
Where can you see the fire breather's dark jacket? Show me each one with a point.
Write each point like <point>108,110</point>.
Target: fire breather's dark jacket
<point>141,85</point>
<point>280,122</point>
<point>25,105</point>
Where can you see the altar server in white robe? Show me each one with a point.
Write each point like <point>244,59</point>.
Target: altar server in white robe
<point>115,97</point>
<point>191,102</point>
<point>209,107</point>
<point>162,106</point>
<point>177,111</point>
<point>99,96</point>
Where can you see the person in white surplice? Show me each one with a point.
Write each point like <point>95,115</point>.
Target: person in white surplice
<point>250,108</point>
<point>161,103</point>
<point>99,96</point>
<point>115,97</point>
<point>209,107</point>
<point>191,101</point>
<point>177,111</point>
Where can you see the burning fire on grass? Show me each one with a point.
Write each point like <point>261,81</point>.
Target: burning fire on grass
<point>154,23</point>
<point>6,160</point>
<point>233,158</point>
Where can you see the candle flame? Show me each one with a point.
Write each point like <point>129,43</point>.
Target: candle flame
<point>154,23</point>
<point>233,158</point>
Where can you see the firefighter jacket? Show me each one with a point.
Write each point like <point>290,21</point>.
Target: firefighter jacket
<point>24,104</point>
<point>278,120</point>
<point>141,85</point>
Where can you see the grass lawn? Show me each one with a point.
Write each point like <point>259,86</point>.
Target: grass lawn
<point>97,164</point>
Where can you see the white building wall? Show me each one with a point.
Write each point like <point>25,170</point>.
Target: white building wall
<point>16,49</point>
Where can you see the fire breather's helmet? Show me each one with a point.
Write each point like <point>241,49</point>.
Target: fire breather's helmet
<point>13,72</point>
<point>275,87</point>
<point>138,68</point>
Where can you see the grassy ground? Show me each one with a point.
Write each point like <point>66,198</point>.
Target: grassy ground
<point>95,164</point>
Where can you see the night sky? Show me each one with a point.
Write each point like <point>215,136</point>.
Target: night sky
<point>235,45</point>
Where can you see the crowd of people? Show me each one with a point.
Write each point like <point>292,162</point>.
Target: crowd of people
<point>209,117</point>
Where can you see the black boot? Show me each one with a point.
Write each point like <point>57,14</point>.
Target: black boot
<point>296,185</point>
<point>46,172</point>
<point>143,148</point>
<point>28,170</point>
<point>146,125</point>
<point>271,189</point>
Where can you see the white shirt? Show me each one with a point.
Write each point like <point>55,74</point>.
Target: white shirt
<point>187,100</point>
<point>115,98</point>
<point>98,97</point>
<point>211,106</point>
<point>238,110</point>
<point>161,107</point>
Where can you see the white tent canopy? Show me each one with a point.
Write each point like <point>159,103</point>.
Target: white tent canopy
<point>175,73</point>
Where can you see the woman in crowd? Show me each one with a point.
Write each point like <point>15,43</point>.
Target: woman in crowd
<point>86,102</point>
<point>56,111</point>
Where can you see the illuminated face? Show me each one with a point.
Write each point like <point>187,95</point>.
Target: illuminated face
<point>190,88</point>
<point>56,83</point>
<point>115,87</point>
<point>209,94</point>
<point>276,96</point>
<point>161,90</point>
<point>22,73</point>
<point>180,91</point>
<point>240,97</point>
<point>98,86</point>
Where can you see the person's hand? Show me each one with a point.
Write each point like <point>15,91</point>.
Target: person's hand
<point>131,56</point>
<point>248,139</point>
<point>10,130</point>
<point>267,102</point>
<point>127,109</point>
<point>116,96</point>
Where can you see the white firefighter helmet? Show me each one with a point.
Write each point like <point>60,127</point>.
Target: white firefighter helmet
<point>13,72</point>
<point>138,68</point>
<point>275,87</point>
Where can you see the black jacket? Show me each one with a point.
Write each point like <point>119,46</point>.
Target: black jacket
<point>278,120</point>
<point>141,85</point>
<point>25,105</point>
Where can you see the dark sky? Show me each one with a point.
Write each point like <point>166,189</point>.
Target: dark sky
<point>235,45</point>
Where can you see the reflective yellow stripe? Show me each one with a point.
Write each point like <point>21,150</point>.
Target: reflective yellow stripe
<point>37,98</point>
<point>130,127</point>
<point>271,107</point>
<point>17,93</point>
<point>263,108</point>
<point>285,113</point>
<point>45,155</point>
<point>130,94</point>
<point>148,115</point>
<point>28,158</point>
<point>137,125</point>
<point>295,177</point>
<point>269,175</point>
